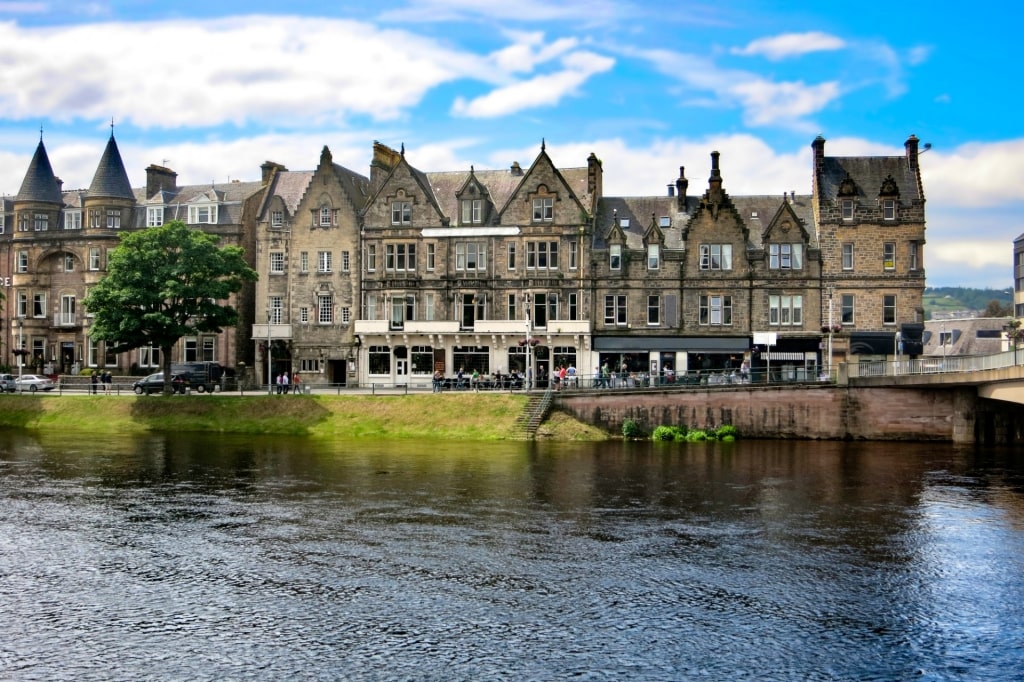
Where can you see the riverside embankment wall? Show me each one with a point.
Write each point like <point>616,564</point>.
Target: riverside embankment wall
<point>812,412</point>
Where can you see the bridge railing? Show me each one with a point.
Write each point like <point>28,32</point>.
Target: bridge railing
<point>933,365</point>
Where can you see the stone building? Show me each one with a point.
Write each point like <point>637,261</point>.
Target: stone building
<point>54,245</point>
<point>390,278</point>
<point>480,270</point>
<point>307,250</point>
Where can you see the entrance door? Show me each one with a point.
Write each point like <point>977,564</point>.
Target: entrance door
<point>401,370</point>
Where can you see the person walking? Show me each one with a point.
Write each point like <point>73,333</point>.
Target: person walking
<point>108,382</point>
<point>296,384</point>
<point>94,381</point>
<point>284,382</point>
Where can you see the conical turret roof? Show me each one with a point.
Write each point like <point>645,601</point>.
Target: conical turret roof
<point>111,180</point>
<point>40,184</point>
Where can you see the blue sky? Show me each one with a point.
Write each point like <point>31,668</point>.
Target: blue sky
<point>213,90</point>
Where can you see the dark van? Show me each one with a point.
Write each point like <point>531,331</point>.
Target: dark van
<point>205,376</point>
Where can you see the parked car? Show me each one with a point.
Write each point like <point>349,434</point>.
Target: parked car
<point>34,382</point>
<point>8,383</point>
<point>154,383</point>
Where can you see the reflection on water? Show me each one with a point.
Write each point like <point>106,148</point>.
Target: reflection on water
<point>205,558</point>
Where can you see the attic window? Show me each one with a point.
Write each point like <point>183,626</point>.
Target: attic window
<point>202,214</point>
<point>624,222</point>
<point>753,214</point>
<point>665,221</point>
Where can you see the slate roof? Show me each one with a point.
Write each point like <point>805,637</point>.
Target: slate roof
<point>231,196</point>
<point>868,172</point>
<point>500,185</point>
<point>40,184</point>
<point>638,210</point>
<point>111,179</point>
<point>767,207</point>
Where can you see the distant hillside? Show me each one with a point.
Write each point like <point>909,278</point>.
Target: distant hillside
<point>955,299</point>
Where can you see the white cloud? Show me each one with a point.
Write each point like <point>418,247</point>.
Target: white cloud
<point>287,70</point>
<point>788,45</point>
<point>528,51</point>
<point>978,174</point>
<point>767,103</point>
<point>542,90</point>
<point>24,7</point>
<point>764,102</point>
<point>534,11</point>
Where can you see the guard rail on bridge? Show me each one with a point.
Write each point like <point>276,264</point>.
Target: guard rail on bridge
<point>933,365</point>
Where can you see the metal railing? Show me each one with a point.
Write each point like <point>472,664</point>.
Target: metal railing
<point>935,365</point>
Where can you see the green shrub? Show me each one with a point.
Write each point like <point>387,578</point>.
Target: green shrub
<point>696,435</point>
<point>665,433</point>
<point>631,429</point>
<point>726,431</point>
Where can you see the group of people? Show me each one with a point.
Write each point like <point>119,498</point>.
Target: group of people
<point>105,378</point>
<point>564,377</point>
<point>283,384</point>
<point>476,381</point>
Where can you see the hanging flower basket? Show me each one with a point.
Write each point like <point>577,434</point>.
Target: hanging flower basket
<point>22,352</point>
<point>835,329</point>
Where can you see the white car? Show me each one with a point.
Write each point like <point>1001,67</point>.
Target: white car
<point>33,383</point>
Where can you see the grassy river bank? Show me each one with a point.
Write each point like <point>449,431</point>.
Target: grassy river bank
<point>471,416</point>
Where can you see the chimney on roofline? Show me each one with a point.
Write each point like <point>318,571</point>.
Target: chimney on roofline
<point>160,179</point>
<point>681,186</point>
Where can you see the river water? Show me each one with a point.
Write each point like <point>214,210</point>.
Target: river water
<point>216,558</point>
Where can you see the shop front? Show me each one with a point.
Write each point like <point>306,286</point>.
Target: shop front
<point>655,360</point>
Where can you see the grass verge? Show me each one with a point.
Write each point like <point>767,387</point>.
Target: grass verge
<point>442,417</point>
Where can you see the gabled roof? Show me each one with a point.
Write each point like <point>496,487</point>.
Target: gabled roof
<point>868,173</point>
<point>418,176</point>
<point>760,212</point>
<point>111,180</point>
<point>638,210</point>
<point>572,181</point>
<point>230,198</point>
<point>40,184</point>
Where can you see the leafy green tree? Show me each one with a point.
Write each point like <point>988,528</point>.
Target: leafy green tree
<point>163,283</point>
<point>995,308</point>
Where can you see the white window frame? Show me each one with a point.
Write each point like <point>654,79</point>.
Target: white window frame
<point>847,309</point>
<point>325,216</point>
<point>325,309</point>
<point>202,214</point>
<point>304,261</point>
<point>914,255</point>
<point>846,209</point>
<point>113,218</point>
<point>22,264</point>
<point>615,311</point>
<point>154,216</point>
<point>784,256</point>
<point>431,256</point>
<point>401,213</point>
<point>72,220</point>
<point>785,310</point>
<point>472,211</point>
<point>888,209</point>
<point>471,256</point>
<point>715,310</point>
<point>574,255</point>
<point>889,302</point>
<point>95,258</point>
<point>275,304</point>
<point>346,261</point>
<point>653,256</point>
<point>653,311</point>
<point>716,257</point>
<point>324,261</point>
<point>511,256</point>
<point>276,265</point>
<point>847,255</point>
<point>889,255</point>
<point>371,257</point>
<point>615,256</point>
<point>543,209</point>
<point>546,250</point>
<point>41,222</point>
<point>277,218</point>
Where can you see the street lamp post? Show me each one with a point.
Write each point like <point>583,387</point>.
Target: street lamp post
<point>21,345</point>
<point>942,340</point>
<point>529,344</point>
<point>270,369</point>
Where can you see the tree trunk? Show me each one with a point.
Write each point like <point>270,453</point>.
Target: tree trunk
<point>165,360</point>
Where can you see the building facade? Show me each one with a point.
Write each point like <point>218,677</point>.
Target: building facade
<point>390,278</point>
<point>54,245</point>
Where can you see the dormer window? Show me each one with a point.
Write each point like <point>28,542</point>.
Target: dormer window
<point>72,220</point>
<point>665,221</point>
<point>653,256</point>
<point>472,211</point>
<point>615,256</point>
<point>277,218</point>
<point>624,222</point>
<point>204,214</point>
<point>154,216</point>
<point>847,208</point>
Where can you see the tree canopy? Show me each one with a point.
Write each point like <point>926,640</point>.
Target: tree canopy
<point>163,283</point>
